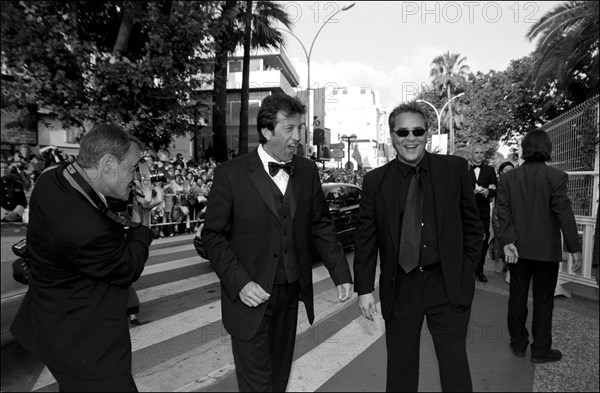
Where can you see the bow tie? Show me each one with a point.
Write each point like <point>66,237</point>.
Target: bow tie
<point>275,167</point>
<point>477,166</point>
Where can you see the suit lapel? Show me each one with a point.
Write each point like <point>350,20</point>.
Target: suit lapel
<point>390,196</point>
<point>260,178</point>
<point>439,176</point>
<point>294,184</point>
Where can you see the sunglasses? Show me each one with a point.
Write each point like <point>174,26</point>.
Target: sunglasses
<point>403,132</point>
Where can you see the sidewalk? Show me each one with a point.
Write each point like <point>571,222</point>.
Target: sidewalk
<point>575,332</point>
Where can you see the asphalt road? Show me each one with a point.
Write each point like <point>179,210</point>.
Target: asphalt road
<point>184,347</point>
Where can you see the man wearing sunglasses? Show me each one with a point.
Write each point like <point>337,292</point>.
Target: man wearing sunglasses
<point>419,214</point>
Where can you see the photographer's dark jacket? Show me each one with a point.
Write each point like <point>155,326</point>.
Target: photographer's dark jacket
<point>73,316</point>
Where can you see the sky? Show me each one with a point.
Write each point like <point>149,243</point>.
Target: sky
<point>389,46</point>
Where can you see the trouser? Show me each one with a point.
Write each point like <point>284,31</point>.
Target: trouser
<point>419,295</point>
<point>67,383</point>
<point>545,276</point>
<point>263,363</point>
<point>485,220</point>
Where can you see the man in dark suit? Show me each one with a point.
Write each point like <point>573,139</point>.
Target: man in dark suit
<point>264,209</point>
<point>73,317</point>
<point>484,186</point>
<point>418,212</point>
<point>533,209</point>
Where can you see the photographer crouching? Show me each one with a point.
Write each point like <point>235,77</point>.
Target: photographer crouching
<point>83,259</point>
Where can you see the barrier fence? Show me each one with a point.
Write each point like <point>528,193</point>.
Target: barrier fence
<point>574,137</point>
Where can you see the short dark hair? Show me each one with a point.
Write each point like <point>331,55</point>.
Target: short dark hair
<point>273,104</point>
<point>412,107</point>
<point>105,138</point>
<point>504,165</point>
<point>536,146</point>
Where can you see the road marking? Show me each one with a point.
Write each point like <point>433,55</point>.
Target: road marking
<point>163,267</point>
<point>171,250</point>
<point>317,366</point>
<point>175,287</point>
<point>209,363</point>
<point>181,323</point>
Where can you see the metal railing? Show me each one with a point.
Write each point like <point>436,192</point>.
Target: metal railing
<point>566,132</point>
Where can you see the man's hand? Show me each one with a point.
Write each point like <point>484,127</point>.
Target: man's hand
<point>11,216</point>
<point>577,260</point>
<point>366,303</point>
<point>252,295</point>
<point>144,200</point>
<point>485,192</point>
<point>344,291</point>
<point>511,255</point>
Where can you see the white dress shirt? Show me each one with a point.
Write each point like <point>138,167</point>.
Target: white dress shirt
<point>282,178</point>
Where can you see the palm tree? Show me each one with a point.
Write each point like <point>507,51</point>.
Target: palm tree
<point>449,72</point>
<point>226,37</point>
<point>229,33</point>
<point>567,50</point>
<point>260,32</point>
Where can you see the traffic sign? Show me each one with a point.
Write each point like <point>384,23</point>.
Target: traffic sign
<point>336,153</point>
<point>336,146</point>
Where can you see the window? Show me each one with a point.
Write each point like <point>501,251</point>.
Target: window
<point>255,65</point>
<point>235,66</point>
<point>335,197</point>
<point>352,196</point>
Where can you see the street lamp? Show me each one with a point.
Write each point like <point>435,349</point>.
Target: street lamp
<point>349,139</point>
<point>439,118</point>
<point>309,121</point>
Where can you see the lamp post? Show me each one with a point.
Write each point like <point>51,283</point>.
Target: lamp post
<point>309,113</point>
<point>349,139</point>
<point>439,118</point>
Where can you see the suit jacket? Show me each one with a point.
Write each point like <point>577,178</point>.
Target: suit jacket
<point>487,177</point>
<point>73,316</point>
<point>533,207</point>
<point>242,235</point>
<point>458,225</point>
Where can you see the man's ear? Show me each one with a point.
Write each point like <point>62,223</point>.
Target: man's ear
<point>266,133</point>
<point>108,164</point>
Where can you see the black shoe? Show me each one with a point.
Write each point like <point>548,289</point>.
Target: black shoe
<point>516,352</point>
<point>136,322</point>
<point>551,355</point>
<point>481,277</point>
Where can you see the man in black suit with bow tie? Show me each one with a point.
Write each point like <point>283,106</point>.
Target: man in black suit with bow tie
<point>264,209</point>
<point>484,186</point>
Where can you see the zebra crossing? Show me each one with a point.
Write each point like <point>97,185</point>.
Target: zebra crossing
<point>184,346</point>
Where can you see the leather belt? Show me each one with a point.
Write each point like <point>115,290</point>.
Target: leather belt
<point>428,268</point>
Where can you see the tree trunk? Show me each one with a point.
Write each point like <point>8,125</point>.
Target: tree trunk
<point>245,98</point>
<point>219,118</point>
<point>122,41</point>
<point>450,121</point>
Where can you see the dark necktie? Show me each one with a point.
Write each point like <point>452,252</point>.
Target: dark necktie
<point>275,167</point>
<point>410,242</point>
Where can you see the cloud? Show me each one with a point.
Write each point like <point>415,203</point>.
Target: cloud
<point>402,78</point>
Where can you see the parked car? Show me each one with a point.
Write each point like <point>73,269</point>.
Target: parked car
<point>343,200</point>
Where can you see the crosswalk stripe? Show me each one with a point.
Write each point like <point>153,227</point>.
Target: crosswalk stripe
<point>214,360</point>
<point>171,250</point>
<point>175,287</point>
<point>317,366</point>
<point>181,323</point>
<point>326,304</point>
<point>163,267</point>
